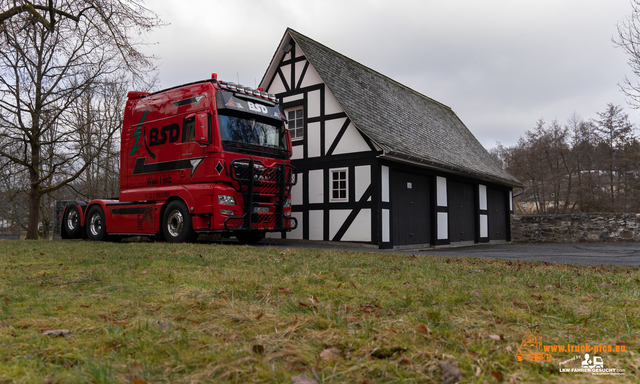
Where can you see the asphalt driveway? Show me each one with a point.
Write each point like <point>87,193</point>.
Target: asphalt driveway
<point>626,254</point>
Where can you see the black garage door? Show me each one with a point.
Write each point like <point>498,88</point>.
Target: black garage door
<point>410,214</point>
<point>497,210</point>
<point>462,211</point>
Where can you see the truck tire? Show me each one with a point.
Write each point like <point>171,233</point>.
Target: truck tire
<point>71,221</point>
<point>176,223</point>
<point>95,224</point>
<point>250,237</point>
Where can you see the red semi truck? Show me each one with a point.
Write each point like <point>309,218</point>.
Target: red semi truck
<point>205,157</point>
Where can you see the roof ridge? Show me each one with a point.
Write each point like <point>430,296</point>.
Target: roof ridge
<point>368,69</point>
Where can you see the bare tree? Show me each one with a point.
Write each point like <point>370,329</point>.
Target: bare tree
<point>38,12</point>
<point>629,40</point>
<point>615,132</point>
<point>46,69</point>
<point>583,142</point>
<point>582,166</point>
<point>97,113</point>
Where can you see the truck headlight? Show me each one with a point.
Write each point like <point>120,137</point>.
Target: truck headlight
<point>226,200</point>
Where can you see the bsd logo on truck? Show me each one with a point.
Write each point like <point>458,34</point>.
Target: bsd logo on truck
<point>157,136</point>
<point>257,107</point>
<point>169,132</point>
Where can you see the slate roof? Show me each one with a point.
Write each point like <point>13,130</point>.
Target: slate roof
<point>406,124</point>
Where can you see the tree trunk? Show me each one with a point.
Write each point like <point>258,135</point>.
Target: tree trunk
<point>34,208</point>
<point>34,178</point>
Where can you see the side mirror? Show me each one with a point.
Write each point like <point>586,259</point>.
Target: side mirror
<point>202,128</point>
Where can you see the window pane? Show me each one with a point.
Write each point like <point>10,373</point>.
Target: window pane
<point>250,131</point>
<point>189,130</point>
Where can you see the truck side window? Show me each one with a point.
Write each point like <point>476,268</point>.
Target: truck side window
<point>189,129</point>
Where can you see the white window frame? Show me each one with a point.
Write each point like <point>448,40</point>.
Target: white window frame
<point>294,130</point>
<point>345,189</point>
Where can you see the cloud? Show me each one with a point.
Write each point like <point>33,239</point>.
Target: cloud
<point>499,64</point>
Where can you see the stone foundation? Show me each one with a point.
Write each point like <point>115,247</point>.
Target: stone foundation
<point>578,228</point>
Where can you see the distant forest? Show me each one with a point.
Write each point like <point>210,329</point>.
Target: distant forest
<point>581,166</point>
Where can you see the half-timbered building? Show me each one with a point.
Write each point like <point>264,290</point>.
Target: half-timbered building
<point>378,162</point>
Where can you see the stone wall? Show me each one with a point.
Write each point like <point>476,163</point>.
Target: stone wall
<point>578,228</point>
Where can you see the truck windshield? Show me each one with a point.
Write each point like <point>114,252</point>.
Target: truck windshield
<point>243,130</point>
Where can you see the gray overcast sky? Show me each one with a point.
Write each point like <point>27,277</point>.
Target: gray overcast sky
<point>499,64</point>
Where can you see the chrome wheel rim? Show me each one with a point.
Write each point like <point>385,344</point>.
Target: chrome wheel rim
<point>95,224</point>
<point>175,222</point>
<point>72,220</point>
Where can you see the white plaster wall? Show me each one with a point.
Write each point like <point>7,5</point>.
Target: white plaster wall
<point>276,85</point>
<point>313,104</point>
<point>441,191</point>
<point>351,142</point>
<point>313,141</point>
<point>298,152</point>
<point>359,230</point>
<point>443,225</point>
<point>331,129</point>
<point>510,200</point>
<point>385,226</point>
<point>311,77</point>
<point>316,187</point>
<point>299,68</point>
<point>385,184</point>
<point>484,226</point>
<point>336,218</point>
<point>286,71</point>
<point>296,191</point>
<point>316,227</point>
<point>296,233</point>
<point>292,98</point>
<point>363,180</point>
<point>482,192</point>
<point>331,104</point>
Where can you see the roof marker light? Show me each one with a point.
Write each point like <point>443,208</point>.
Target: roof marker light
<point>264,95</point>
<point>232,86</point>
<point>240,88</point>
<point>272,97</point>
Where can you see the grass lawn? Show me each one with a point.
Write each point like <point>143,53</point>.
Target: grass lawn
<point>85,312</point>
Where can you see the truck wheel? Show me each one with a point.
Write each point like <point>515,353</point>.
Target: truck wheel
<point>95,224</point>
<point>71,221</point>
<point>250,237</point>
<point>176,223</point>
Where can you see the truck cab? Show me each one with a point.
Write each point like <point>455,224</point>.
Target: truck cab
<point>205,157</point>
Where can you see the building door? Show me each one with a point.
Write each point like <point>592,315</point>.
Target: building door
<point>410,213</point>
<point>462,212</point>
<point>497,209</point>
